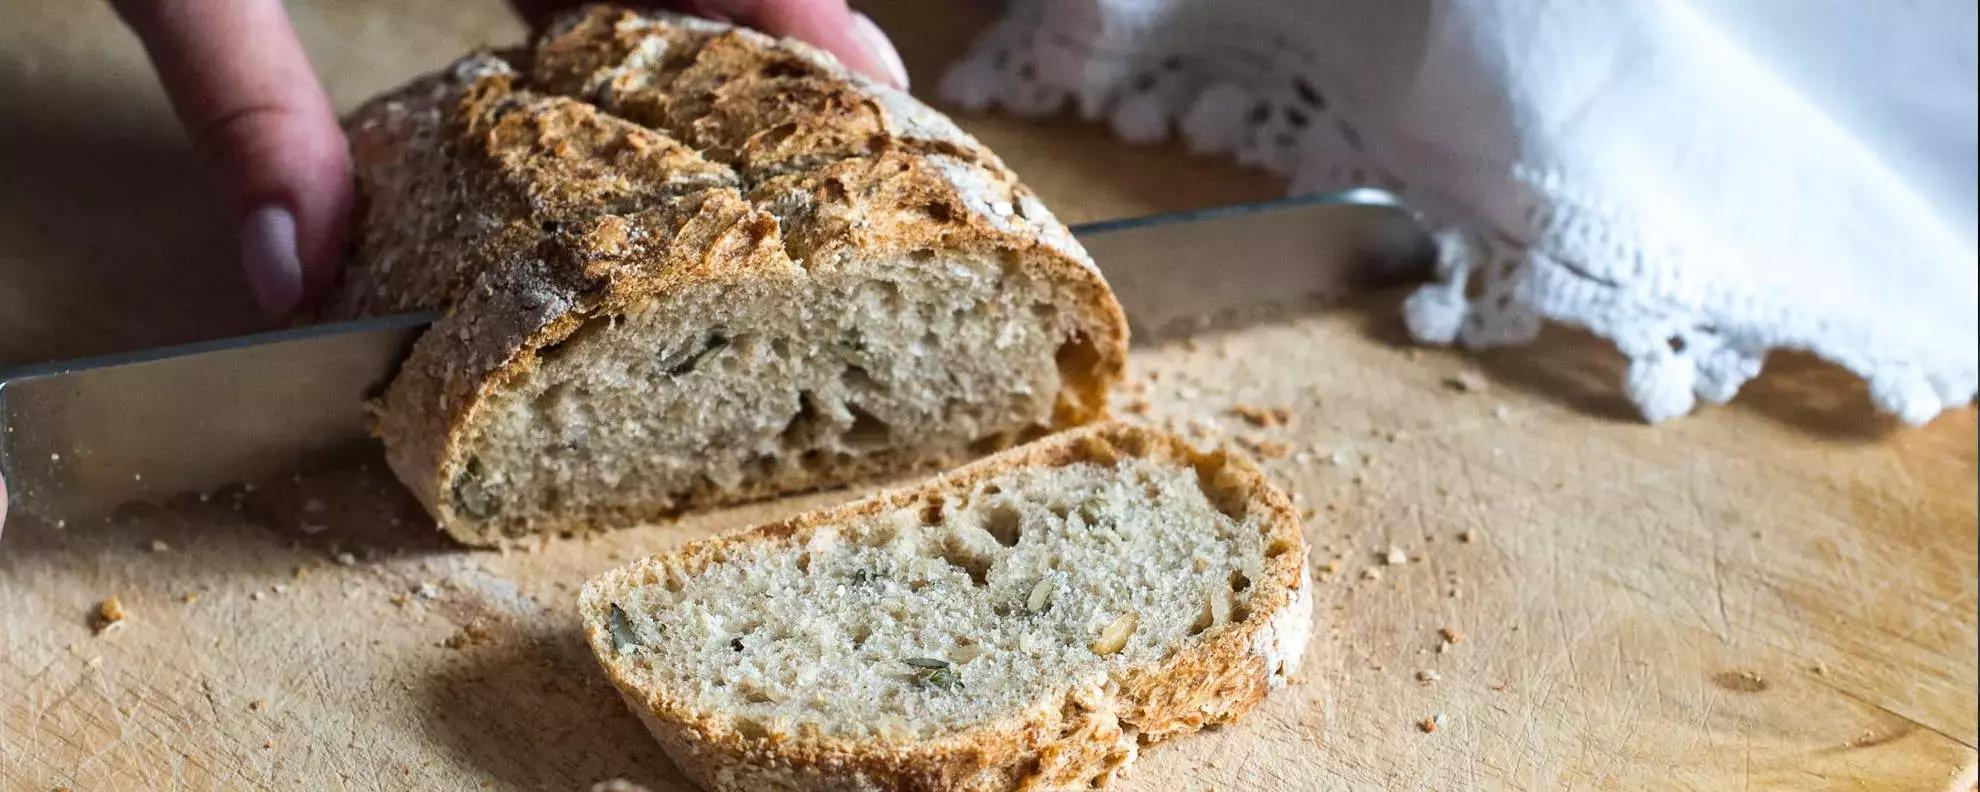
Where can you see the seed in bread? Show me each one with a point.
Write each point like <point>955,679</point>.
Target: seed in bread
<point>901,642</point>
<point>682,264</point>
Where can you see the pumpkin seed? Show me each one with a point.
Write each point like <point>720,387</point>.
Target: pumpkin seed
<point>935,671</point>
<point>686,365</point>
<point>1041,596</point>
<point>1116,635</point>
<point>624,640</point>
<point>471,495</point>
<point>946,679</point>
<point>1091,509</point>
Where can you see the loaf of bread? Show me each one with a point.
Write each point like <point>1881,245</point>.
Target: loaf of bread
<point>1027,622</point>
<point>683,264</point>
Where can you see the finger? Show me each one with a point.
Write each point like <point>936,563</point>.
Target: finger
<point>244,90</point>
<point>826,24</point>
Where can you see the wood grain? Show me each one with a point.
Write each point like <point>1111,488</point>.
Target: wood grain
<point>1779,593</point>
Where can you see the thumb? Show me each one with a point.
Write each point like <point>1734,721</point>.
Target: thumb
<point>827,24</point>
<point>245,93</point>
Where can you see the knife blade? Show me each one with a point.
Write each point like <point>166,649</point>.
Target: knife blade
<point>79,438</point>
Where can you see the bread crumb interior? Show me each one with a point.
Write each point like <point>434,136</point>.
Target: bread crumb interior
<point>729,392</point>
<point>929,618</point>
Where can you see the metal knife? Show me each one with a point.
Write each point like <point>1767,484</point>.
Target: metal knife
<point>79,438</point>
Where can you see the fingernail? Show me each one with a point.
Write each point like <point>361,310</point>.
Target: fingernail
<point>268,252</point>
<point>881,48</point>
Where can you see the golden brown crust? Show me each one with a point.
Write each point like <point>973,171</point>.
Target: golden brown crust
<point>624,157</point>
<point>1083,737</point>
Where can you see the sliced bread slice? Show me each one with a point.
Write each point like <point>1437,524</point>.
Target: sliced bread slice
<point>683,264</point>
<point>1026,622</point>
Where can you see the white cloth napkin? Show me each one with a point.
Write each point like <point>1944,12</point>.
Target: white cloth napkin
<point>1696,180</point>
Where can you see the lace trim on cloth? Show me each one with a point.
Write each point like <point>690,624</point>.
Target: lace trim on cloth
<point>1544,251</point>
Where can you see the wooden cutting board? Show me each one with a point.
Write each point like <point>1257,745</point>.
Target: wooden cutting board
<point>1779,593</point>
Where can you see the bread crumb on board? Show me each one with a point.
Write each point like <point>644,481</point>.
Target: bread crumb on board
<point>109,614</point>
<point>1395,556</point>
<point>1451,635</point>
<point>159,546</point>
<point>1263,417</point>
<point>618,785</point>
<point>474,633</point>
<point>1268,449</point>
<point>1427,676</point>
<point>1467,381</point>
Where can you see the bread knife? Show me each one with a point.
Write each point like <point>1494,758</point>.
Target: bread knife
<point>80,438</point>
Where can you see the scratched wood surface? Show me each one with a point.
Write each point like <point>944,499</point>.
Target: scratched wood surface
<point>1779,593</point>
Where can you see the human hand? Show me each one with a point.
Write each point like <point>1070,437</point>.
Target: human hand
<point>243,89</point>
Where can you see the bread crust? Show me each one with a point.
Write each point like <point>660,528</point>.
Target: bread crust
<point>625,157</point>
<point>1083,736</point>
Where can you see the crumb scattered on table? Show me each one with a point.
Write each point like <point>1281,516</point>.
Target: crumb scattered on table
<point>1451,635</point>
<point>1269,449</point>
<point>1263,417</point>
<point>109,614</point>
<point>1428,675</point>
<point>1395,556</point>
<point>1467,382</point>
<point>474,633</point>
<point>617,785</point>
<point>159,546</point>
<point>1427,725</point>
<point>346,559</point>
